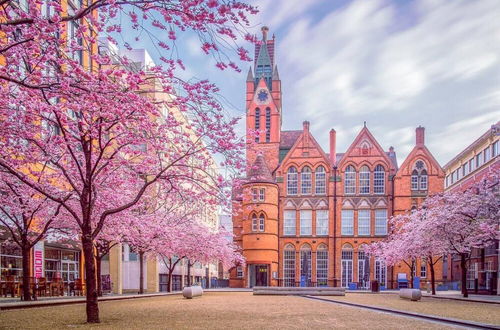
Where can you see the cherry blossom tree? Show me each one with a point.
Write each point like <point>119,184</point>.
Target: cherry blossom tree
<point>106,143</point>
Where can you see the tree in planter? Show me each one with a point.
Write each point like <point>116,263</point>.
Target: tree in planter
<point>105,143</point>
<point>28,218</point>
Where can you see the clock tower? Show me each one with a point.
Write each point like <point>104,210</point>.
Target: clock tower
<point>263,104</point>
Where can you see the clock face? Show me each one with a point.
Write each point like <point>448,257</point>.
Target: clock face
<point>262,95</point>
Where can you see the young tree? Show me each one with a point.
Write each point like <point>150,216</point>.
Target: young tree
<point>28,218</point>
<point>105,143</point>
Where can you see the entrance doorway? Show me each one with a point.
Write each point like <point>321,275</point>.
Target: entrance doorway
<point>258,275</point>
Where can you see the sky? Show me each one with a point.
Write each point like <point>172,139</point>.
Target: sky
<point>394,64</point>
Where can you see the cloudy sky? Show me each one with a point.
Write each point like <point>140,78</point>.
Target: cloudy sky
<point>393,64</point>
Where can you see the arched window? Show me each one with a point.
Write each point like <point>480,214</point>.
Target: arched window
<point>364,180</point>
<point>350,180</point>
<point>419,178</point>
<point>255,225</point>
<point>322,265</point>
<point>320,180</point>
<point>346,270</point>
<point>268,124</point>
<point>305,181</point>
<point>305,263</point>
<point>363,268</point>
<point>289,265</point>
<point>257,124</point>
<point>261,222</point>
<point>292,181</point>
<point>379,180</point>
<point>423,180</point>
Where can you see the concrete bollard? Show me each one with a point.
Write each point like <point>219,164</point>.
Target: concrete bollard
<point>190,292</point>
<point>412,294</point>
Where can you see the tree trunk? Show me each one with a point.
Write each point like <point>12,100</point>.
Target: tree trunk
<point>169,280</point>
<point>26,296</point>
<point>433,277</point>
<point>98,264</point>
<point>189,273</point>
<point>90,277</point>
<point>463,265</point>
<point>141,272</point>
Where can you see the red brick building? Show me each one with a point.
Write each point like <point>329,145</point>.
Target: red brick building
<point>303,215</point>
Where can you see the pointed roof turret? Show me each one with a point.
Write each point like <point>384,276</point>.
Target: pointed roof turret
<point>276,75</point>
<point>250,74</point>
<point>259,172</point>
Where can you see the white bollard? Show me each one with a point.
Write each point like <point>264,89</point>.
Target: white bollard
<point>190,292</point>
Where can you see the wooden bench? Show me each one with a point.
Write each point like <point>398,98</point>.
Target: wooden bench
<point>298,291</point>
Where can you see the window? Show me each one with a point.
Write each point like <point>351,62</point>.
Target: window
<point>487,154</point>
<point>254,223</point>
<point>423,180</point>
<point>479,159</point>
<point>305,222</point>
<point>262,194</point>
<point>494,149</point>
<point>322,265</point>
<point>350,180</point>
<point>381,222</point>
<point>305,181</point>
<point>414,180</point>
<point>380,272</point>
<point>305,259</point>
<point>464,173</point>
<point>364,180</point>
<point>289,224</point>
<point>322,222</point>
<point>257,124</point>
<point>363,268</point>
<point>76,53</point>
<point>239,272</point>
<point>379,180</point>
<point>471,164</point>
<point>261,222</point>
<point>254,195</point>
<point>320,183</point>
<point>268,124</point>
<point>292,181</point>
<point>423,268</point>
<point>447,180</point>
<point>289,265</point>
<point>347,222</point>
<point>364,222</point>
<point>346,270</point>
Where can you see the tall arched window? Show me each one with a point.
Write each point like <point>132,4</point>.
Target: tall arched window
<point>379,180</point>
<point>346,270</point>
<point>305,263</point>
<point>350,180</point>
<point>289,265</point>
<point>419,178</point>
<point>322,265</point>
<point>364,180</point>
<point>268,124</point>
<point>257,124</point>
<point>292,181</point>
<point>261,222</point>
<point>320,180</point>
<point>363,268</point>
<point>305,181</point>
<point>255,225</point>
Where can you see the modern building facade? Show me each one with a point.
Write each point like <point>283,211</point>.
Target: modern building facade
<point>303,215</point>
<point>466,168</point>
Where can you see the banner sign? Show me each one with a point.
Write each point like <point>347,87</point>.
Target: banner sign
<point>38,252</point>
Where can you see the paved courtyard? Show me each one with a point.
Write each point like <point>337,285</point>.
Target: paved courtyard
<point>217,310</point>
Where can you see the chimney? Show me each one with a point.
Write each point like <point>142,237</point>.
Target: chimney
<point>333,141</point>
<point>264,30</point>
<point>420,134</point>
<point>305,125</point>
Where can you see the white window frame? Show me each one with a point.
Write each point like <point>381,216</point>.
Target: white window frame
<point>320,181</point>
<point>305,222</point>
<point>364,222</point>
<point>254,222</point>
<point>262,221</point>
<point>254,194</point>
<point>321,222</point>
<point>289,223</point>
<point>364,180</point>
<point>306,181</point>
<point>262,194</point>
<point>350,181</point>
<point>322,266</point>
<point>347,222</point>
<point>289,266</point>
<point>380,222</point>
<point>379,180</point>
<point>292,182</point>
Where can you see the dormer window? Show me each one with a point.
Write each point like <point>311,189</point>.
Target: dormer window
<point>419,178</point>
